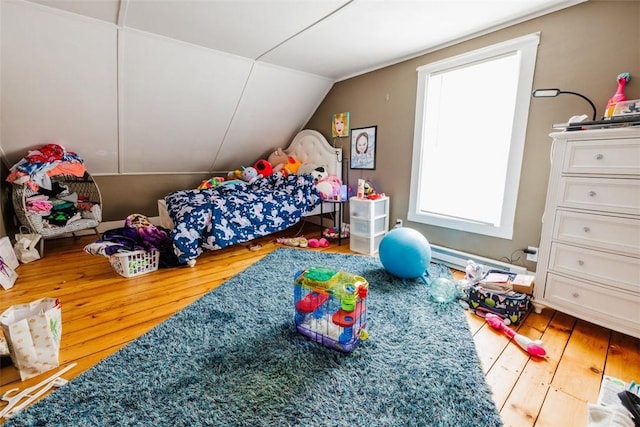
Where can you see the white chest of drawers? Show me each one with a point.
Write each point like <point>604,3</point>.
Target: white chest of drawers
<point>589,258</point>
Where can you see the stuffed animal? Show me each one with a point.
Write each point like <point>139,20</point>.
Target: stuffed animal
<point>317,172</point>
<point>263,167</point>
<point>235,174</point>
<point>329,187</point>
<point>249,174</point>
<point>279,159</point>
<point>292,166</point>
<point>211,183</point>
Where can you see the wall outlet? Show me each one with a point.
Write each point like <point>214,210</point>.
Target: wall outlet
<point>532,254</point>
<point>398,223</point>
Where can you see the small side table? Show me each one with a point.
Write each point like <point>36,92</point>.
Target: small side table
<point>339,204</point>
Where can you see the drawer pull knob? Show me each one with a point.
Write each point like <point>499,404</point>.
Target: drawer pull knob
<point>586,229</point>
<point>599,156</point>
<point>580,262</point>
<point>592,193</point>
<point>575,295</point>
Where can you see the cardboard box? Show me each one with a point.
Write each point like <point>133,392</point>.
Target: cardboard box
<point>523,283</point>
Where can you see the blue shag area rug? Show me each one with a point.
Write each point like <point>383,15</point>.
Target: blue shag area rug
<point>234,358</point>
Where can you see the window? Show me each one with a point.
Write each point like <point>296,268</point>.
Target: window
<point>471,120</point>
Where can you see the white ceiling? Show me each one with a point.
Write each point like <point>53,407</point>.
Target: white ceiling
<point>336,39</point>
<point>184,86</point>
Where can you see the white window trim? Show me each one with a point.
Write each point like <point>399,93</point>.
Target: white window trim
<point>527,45</point>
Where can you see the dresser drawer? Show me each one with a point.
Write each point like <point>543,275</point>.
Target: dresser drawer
<point>603,194</point>
<point>615,156</point>
<point>611,269</point>
<point>598,231</point>
<point>594,300</point>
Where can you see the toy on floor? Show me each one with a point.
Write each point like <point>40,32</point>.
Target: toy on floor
<point>318,243</point>
<point>293,241</point>
<point>474,272</point>
<point>332,232</point>
<point>330,307</point>
<point>405,253</point>
<point>442,289</point>
<point>534,348</point>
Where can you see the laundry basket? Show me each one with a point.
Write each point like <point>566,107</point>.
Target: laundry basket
<point>135,263</point>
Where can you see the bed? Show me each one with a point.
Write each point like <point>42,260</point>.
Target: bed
<point>218,217</point>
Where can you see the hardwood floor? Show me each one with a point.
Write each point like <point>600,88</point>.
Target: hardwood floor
<point>103,311</point>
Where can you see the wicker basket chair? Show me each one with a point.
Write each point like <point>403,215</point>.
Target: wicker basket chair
<point>84,186</point>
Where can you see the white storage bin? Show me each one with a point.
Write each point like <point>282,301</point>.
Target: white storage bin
<point>365,245</point>
<point>368,227</point>
<point>368,209</point>
<point>369,222</point>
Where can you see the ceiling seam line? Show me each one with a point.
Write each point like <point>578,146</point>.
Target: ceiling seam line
<point>233,116</point>
<point>303,30</point>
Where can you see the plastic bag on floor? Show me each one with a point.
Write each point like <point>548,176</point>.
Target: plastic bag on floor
<point>33,333</point>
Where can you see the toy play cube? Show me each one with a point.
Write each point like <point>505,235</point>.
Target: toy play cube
<point>330,307</point>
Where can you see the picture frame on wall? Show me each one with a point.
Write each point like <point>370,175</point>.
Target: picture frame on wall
<point>363,147</point>
<point>340,124</point>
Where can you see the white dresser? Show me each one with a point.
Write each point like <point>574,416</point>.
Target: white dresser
<point>589,259</point>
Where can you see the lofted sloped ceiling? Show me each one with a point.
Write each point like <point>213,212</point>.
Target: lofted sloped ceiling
<point>173,86</point>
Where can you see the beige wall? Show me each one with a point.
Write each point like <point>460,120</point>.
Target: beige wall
<point>123,195</point>
<point>581,49</point>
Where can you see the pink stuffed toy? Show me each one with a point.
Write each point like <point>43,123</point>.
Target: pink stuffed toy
<point>329,187</point>
<point>318,243</point>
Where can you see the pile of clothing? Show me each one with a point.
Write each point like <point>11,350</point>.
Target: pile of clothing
<point>137,234</point>
<point>38,166</point>
<point>59,207</point>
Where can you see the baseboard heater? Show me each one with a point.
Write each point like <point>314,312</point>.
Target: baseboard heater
<point>458,260</point>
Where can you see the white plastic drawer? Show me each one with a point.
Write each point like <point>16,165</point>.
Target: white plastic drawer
<point>610,269</point>
<point>368,209</point>
<point>365,245</point>
<point>609,195</point>
<point>615,156</point>
<point>369,227</point>
<point>598,231</point>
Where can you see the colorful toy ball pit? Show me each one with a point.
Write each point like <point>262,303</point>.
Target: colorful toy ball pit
<point>405,253</point>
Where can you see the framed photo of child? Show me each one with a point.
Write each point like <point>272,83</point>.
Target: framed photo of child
<point>363,148</point>
<point>340,125</point>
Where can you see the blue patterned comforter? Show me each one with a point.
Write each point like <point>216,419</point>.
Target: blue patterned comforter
<point>234,213</point>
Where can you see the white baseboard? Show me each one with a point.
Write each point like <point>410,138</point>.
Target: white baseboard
<point>458,260</point>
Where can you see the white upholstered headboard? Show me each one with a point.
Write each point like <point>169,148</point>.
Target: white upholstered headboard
<point>309,146</point>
